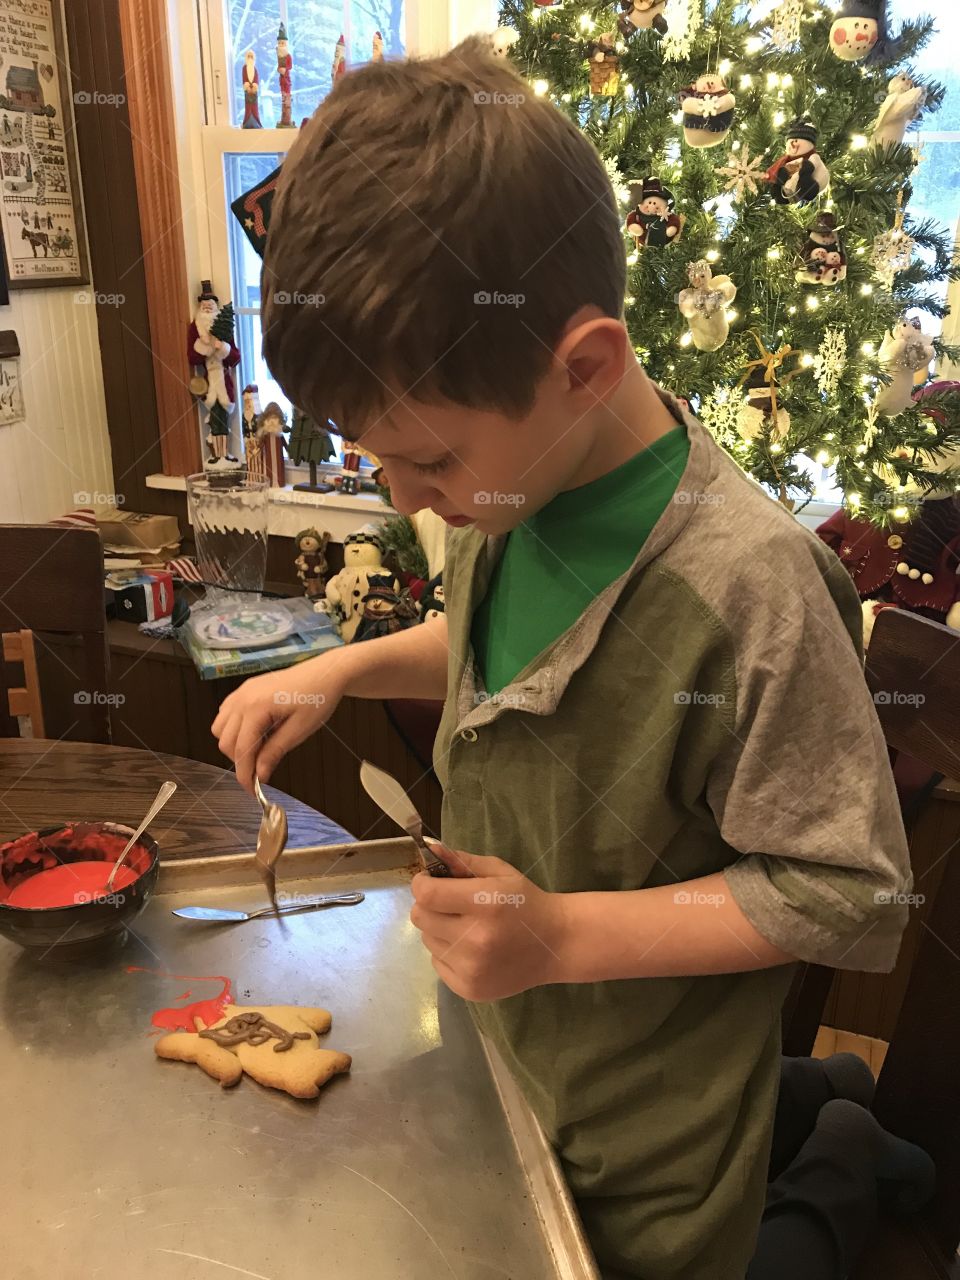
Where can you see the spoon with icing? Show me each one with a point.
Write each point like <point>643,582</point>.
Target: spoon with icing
<point>163,795</point>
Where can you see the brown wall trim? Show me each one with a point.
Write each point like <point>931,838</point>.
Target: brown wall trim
<point>143,26</point>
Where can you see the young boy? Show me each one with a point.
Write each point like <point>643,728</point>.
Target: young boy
<point>660,760</point>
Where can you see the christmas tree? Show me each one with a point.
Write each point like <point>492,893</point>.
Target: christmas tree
<point>777,280</point>
<point>223,323</point>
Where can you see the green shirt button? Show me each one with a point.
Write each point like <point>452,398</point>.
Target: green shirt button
<point>468,735</point>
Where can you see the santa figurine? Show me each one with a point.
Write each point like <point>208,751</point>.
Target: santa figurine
<point>654,222</point>
<point>824,260</point>
<point>639,15</point>
<point>249,427</point>
<point>251,92</point>
<point>708,110</point>
<point>339,67</point>
<point>284,67</point>
<point>859,31</point>
<point>799,176</point>
<point>273,423</point>
<point>377,54</point>
<point>903,103</point>
<point>217,356</point>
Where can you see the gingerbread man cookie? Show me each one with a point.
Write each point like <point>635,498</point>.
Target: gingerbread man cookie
<point>275,1044</point>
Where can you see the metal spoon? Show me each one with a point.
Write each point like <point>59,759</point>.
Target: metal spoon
<point>225,916</point>
<point>271,841</point>
<point>385,791</point>
<point>163,795</point>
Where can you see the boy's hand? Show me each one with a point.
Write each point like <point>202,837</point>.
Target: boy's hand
<point>271,714</point>
<point>491,932</point>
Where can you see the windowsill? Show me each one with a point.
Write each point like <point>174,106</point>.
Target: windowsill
<point>290,510</point>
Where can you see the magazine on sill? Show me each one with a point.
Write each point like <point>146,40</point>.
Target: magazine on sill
<point>310,633</point>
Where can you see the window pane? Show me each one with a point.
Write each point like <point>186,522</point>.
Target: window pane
<point>313,29</point>
<point>242,171</point>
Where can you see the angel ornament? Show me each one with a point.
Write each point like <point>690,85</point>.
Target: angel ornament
<point>904,102</point>
<point>705,304</point>
<point>904,353</point>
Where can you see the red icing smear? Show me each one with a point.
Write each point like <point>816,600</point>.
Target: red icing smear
<point>182,1018</point>
<point>69,885</point>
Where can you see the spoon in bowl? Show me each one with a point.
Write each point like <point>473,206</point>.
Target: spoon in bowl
<point>163,795</point>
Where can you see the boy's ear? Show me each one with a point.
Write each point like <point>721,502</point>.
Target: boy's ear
<point>593,356</point>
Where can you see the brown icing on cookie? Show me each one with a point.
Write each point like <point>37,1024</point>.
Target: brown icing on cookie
<point>253,1028</point>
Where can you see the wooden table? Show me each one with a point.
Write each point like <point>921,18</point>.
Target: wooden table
<point>46,782</point>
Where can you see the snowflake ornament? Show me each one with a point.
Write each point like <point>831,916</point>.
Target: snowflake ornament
<point>720,413</point>
<point>621,188</point>
<point>744,173</point>
<point>684,18</point>
<point>892,253</point>
<point>830,361</point>
<point>785,23</point>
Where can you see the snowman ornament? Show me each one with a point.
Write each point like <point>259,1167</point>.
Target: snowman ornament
<point>859,31</point>
<point>503,40</point>
<point>824,260</point>
<point>800,175</point>
<point>708,110</point>
<point>642,15</point>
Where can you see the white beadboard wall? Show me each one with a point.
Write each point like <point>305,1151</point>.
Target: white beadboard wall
<point>62,449</point>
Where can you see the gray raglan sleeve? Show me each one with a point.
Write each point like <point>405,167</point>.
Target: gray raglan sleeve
<point>803,788</point>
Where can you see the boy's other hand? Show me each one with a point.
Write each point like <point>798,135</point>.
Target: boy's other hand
<point>271,714</point>
<point>490,931</point>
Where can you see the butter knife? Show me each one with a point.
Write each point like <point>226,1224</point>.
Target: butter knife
<point>386,792</point>
<point>221,915</point>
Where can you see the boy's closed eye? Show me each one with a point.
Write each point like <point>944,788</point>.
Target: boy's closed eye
<point>433,468</point>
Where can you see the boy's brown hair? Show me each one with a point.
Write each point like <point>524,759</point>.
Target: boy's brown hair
<point>434,227</point>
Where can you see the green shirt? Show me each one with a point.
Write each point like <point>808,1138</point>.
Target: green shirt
<point>555,563</point>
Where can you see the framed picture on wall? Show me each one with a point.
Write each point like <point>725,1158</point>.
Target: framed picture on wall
<point>40,209</point>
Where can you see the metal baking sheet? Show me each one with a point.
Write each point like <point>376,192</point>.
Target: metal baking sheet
<point>420,1164</point>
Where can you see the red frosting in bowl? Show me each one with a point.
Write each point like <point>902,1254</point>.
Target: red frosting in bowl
<point>66,867</point>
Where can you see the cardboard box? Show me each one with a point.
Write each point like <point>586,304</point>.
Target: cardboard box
<point>150,539</point>
<point>146,598</point>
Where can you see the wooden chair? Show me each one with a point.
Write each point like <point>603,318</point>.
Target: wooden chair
<point>913,671</point>
<point>24,703</point>
<point>51,585</point>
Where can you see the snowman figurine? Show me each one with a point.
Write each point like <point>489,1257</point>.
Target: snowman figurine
<point>903,103</point>
<point>653,222</point>
<point>859,31</point>
<point>640,15</point>
<point>708,109</point>
<point>503,40</point>
<point>344,597</point>
<point>799,176</point>
<point>824,260</point>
